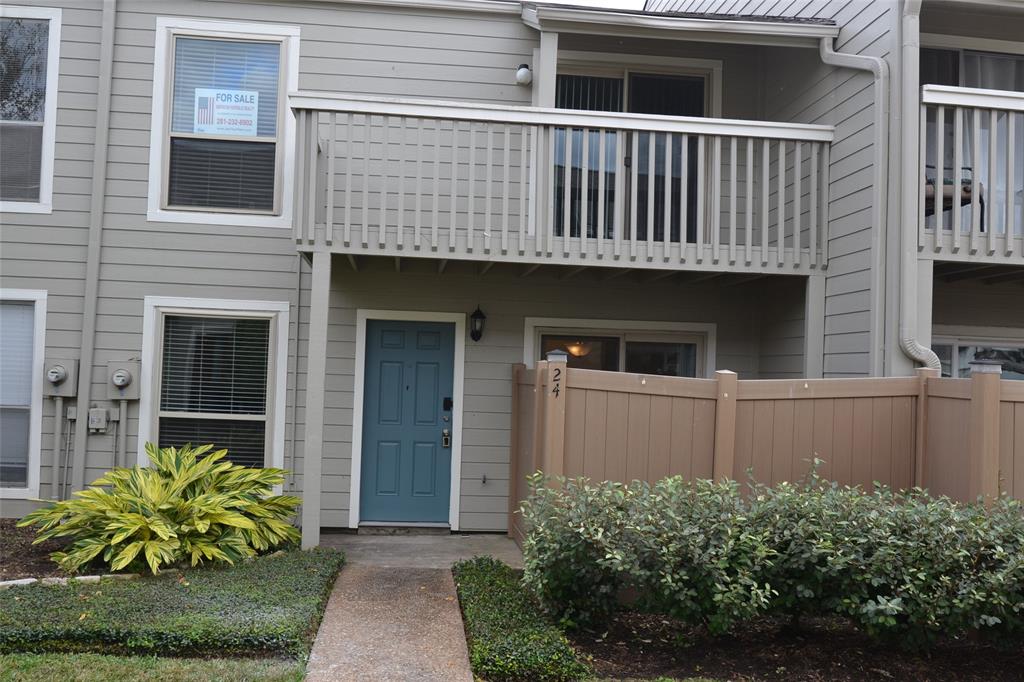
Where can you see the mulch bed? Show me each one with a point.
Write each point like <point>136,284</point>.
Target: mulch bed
<point>19,558</point>
<point>645,646</point>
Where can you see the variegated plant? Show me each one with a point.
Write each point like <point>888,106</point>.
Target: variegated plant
<point>189,504</point>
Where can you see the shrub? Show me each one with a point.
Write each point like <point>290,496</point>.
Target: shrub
<point>566,551</point>
<point>684,547</point>
<point>187,505</point>
<point>689,550</point>
<point>900,565</point>
<point>270,605</point>
<point>508,637</point>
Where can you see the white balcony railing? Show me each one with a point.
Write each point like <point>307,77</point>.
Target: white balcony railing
<point>971,203</point>
<point>435,179</point>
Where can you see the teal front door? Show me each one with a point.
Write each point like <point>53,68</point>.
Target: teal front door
<point>407,422</point>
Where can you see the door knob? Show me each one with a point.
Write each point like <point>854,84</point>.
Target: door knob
<point>446,438</point>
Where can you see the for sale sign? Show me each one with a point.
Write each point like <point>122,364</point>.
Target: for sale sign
<point>226,112</point>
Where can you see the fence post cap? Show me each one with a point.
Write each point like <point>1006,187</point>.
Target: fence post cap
<point>557,355</point>
<point>986,367</point>
<point>724,371</point>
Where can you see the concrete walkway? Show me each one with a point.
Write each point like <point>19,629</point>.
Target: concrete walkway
<point>393,613</point>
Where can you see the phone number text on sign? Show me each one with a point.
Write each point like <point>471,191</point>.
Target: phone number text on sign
<point>226,112</point>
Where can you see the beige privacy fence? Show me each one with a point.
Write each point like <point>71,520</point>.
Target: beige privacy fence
<point>956,437</point>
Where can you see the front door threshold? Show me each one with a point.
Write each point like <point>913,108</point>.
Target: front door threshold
<point>402,528</point>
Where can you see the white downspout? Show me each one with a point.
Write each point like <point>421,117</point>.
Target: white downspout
<point>879,69</point>
<point>911,47</point>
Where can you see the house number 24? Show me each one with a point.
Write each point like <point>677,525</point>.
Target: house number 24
<point>556,381</point>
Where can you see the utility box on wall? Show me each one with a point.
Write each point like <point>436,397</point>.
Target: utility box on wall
<point>123,379</point>
<point>61,378</point>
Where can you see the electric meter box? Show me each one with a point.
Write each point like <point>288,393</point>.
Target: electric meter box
<point>123,379</point>
<point>60,377</point>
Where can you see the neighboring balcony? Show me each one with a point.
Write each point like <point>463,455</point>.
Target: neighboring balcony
<point>973,210</point>
<point>442,180</point>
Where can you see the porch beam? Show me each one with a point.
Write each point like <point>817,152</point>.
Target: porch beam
<point>353,262</point>
<point>814,327</point>
<point>312,460</point>
<point>486,267</point>
<point>441,265</point>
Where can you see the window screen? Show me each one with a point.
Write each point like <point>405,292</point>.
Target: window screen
<point>23,56</point>
<point>213,386</point>
<point>16,365</point>
<point>224,127</point>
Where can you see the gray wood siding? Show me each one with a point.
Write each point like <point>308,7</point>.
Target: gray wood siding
<point>507,300</point>
<point>343,47</point>
<point>47,251</point>
<point>800,88</point>
<point>979,304</point>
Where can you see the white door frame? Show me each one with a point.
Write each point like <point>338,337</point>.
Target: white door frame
<point>458,378</point>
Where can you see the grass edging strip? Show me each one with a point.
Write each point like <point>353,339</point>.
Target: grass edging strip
<point>509,639</point>
<point>268,606</point>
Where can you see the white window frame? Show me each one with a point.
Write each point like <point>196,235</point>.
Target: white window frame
<point>53,15</point>
<point>968,335</point>
<point>703,334</point>
<point>38,298</point>
<point>167,28</point>
<point>155,308</point>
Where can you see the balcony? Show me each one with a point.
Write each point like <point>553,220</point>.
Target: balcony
<point>978,215</point>
<point>434,179</point>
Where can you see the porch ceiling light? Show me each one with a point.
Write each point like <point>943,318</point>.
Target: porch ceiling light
<point>476,324</point>
<point>524,76</point>
<point>578,349</point>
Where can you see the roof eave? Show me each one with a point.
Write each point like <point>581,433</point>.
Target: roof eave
<point>640,25</point>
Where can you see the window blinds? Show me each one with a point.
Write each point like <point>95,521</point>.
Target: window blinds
<point>216,370</point>
<point>17,324</point>
<point>235,167</point>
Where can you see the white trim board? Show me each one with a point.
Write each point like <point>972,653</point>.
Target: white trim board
<point>708,329</point>
<point>35,425</point>
<point>363,315</point>
<point>45,203</point>
<point>289,81</point>
<point>154,306</point>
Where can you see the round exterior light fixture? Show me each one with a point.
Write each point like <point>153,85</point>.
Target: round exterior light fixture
<point>476,324</point>
<point>524,76</point>
<point>578,349</point>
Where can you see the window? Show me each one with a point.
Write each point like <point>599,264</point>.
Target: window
<point>29,60</point>
<point>22,326</point>
<point>662,348</point>
<point>221,145</point>
<point>218,376</point>
<point>956,356</point>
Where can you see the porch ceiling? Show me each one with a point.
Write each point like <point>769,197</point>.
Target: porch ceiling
<point>979,272</point>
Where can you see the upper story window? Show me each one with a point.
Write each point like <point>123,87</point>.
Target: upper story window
<point>221,147</point>
<point>29,60</point>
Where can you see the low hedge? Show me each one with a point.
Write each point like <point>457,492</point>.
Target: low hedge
<point>901,565</point>
<point>269,605</point>
<point>509,639</point>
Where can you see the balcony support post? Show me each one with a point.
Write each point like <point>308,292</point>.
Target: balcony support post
<point>312,456</point>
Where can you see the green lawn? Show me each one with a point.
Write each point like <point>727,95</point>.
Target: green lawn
<point>100,668</point>
<point>270,606</point>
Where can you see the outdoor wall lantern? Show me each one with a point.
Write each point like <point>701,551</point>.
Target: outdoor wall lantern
<point>476,324</point>
<point>524,76</point>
